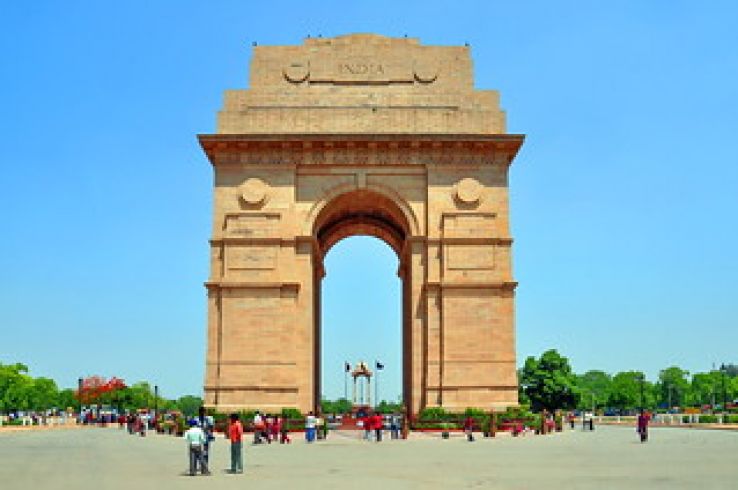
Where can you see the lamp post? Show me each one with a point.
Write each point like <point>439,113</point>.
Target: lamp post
<point>156,401</point>
<point>724,370</point>
<point>346,369</point>
<point>79,395</point>
<point>378,367</point>
<point>593,403</point>
<point>642,379</point>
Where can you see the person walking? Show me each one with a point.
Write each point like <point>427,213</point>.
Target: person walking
<point>206,423</point>
<point>235,435</point>
<point>394,426</point>
<point>258,427</point>
<point>283,431</point>
<point>276,428</point>
<point>310,424</point>
<point>268,424</point>
<point>366,424</point>
<point>469,428</point>
<point>378,426</point>
<point>642,427</point>
<point>195,439</point>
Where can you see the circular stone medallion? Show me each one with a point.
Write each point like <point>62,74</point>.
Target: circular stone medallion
<point>426,72</point>
<point>468,190</point>
<point>253,191</point>
<point>297,71</point>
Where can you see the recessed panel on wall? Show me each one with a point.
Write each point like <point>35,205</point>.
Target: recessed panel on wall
<point>252,225</point>
<point>470,257</point>
<point>478,225</point>
<point>251,257</point>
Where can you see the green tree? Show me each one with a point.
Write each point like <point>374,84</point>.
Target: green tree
<point>44,394</point>
<point>67,399</point>
<point>138,395</point>
<point>548,382</point>
<point>626,388</point>
<point>338,406</point>
<point>705,389</point>
<point>389,407</point>
<point>594,388</point>
<point>673,387</point>
<point>187,404</point>
<point>15,387</point>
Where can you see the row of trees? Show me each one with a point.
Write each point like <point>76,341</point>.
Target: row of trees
<point>548,382</point>
<point>19,391</point>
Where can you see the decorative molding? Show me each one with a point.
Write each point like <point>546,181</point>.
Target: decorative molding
<point>357,149</point>
<point>252,285</point>
<point>501,285</point>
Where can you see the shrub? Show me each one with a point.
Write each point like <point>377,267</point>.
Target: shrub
<point>520,413</point>
<point>219,417</point>
<point>433,413</point>
<point>730,419</point>
<point>436,425</point>
<point>708,419</point>
<point>291,413</point>
<point>474,412</point>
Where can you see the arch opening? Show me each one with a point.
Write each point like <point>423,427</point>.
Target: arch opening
<point>363,213</point>
<point>361,321</point>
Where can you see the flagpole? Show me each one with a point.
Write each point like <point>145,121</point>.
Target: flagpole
<point>376,385</point>
<point>345,381</point>
<point>376,391</point>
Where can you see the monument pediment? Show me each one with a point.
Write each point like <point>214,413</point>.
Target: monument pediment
<point>363,83</point>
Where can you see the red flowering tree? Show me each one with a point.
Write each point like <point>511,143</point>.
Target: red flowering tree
<point>96,389</point>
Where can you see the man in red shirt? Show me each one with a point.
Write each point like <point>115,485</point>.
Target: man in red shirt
<point>235,434</point>
<point>377,424</point>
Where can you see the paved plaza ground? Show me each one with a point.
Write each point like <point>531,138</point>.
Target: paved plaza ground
<point>609,458</point>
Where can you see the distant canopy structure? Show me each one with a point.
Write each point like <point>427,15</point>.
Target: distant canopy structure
<point>362,371</point>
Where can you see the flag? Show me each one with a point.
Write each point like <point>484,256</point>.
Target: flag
<point>348,367</point>
<point>378,365</point>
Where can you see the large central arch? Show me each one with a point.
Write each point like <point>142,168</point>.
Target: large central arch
<point>368,135</point>
<point>361,212</point>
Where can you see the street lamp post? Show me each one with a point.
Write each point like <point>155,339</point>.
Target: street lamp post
<point>723,370</point>
<point>593,403</point>
<point>79,396</point>
<point>642,379</point>
<point>346,369</point>
<point>156,401</point>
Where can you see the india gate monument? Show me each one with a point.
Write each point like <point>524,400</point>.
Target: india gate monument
<point>360,135</point>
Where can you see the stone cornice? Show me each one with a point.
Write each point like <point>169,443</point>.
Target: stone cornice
<point>503,285</point>
<point>252,285</point>
<point>361,149</point>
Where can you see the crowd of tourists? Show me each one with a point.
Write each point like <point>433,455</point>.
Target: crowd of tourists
<point>375,424</point>
<point>267,429</point>
<point>135,423</point>
<point>270,428</point>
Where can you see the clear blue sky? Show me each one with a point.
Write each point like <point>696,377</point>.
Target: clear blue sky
<point>624,197</point>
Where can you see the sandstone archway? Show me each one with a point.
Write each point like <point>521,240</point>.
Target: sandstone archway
<point>361,212</point>
<point>360,134</point>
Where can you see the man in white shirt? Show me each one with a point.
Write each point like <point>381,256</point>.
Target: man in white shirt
<point>195,438</point>
<point>258,427</point>
<point>310,423</point>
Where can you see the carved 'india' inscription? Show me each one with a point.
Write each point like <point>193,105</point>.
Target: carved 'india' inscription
<point>360,68</point>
